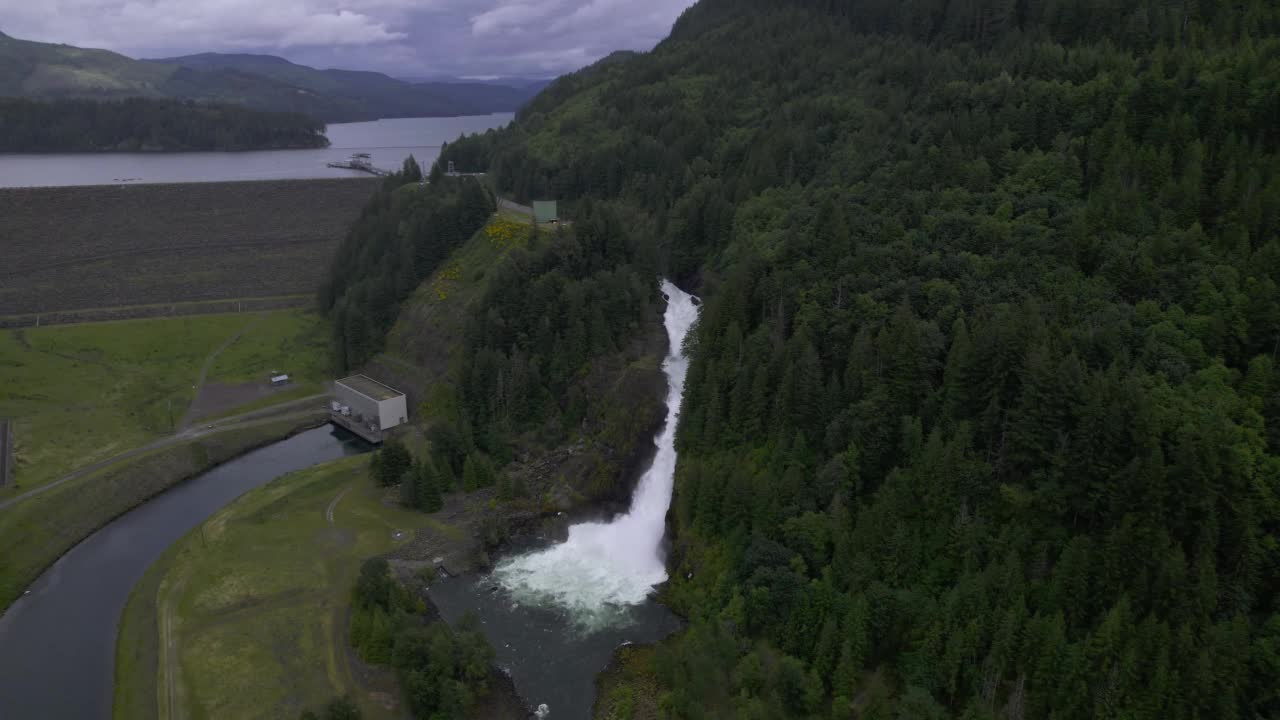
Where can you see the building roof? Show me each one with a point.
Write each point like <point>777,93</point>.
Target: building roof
<point>369,387</point>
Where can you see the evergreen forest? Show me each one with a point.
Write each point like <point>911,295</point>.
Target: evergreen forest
<point>145,125</point>
<point>983,414</point>
<point>403,235</point>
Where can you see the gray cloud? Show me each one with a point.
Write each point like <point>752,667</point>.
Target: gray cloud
<point>400,37</point>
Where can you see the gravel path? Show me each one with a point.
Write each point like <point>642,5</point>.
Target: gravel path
<point>188,416</point>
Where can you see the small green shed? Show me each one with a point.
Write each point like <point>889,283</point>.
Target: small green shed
<point>544,211</point>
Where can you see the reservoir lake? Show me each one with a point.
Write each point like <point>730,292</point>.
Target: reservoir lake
<point>388,142</point>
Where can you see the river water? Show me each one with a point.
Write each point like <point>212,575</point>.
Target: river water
<point>388,142</point>
<point>554,616</point>
<point>58,644</point>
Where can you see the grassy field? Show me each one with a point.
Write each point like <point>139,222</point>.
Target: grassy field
<point>109,246</point>
<point>36,531</point>
<point>245,616</point>
<point>293,342</point>
<point>82,393</point>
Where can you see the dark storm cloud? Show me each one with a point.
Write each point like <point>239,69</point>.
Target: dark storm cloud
<point>401,37</point>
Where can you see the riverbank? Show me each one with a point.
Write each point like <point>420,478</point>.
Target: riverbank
<point>628,688</point>
<point>57,643</point>
<point>246,616</point>
<point>36,532</point>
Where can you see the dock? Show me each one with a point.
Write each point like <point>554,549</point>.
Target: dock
<point>360,162</point>
<point>6,453</point>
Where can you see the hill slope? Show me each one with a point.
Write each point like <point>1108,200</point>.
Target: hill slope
<point>374,92</point>
<point>46,71</point>
<point>983,418</point>
<point>150,125</point>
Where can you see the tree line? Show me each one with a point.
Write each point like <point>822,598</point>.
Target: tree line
<point>145,125</point>
<point>983,414</point>
<point>443,672</point>
<point>557,302</point>
<point>403,234</point>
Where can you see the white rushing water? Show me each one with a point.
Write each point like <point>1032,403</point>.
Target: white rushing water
<point>604,567</point>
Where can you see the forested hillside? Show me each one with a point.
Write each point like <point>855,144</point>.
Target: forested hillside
<point>984,414</point>
<point>531,353</point>
<point>365,95</point>
<point>137,124</point>
<point>403,234</point>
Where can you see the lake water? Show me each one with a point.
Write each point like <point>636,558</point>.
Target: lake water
<point>58,644</point>
<point>388,142</point>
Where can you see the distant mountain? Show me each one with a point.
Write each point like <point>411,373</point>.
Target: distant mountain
<point>377,94</point>
<point>47,71</point>
<point>525,83</point>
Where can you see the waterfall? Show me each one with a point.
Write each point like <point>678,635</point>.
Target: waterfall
<point>604,567</point>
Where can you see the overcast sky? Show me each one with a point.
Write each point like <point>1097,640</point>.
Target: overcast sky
<point>399,37</point>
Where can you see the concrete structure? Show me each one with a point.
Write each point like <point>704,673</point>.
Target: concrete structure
<point>544,211</point>
<point>367,407</point>
<point>6,453</point>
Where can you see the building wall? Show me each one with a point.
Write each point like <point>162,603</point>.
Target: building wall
<point>392,412</point>
<point>360,405</point>
<point>544,211</point>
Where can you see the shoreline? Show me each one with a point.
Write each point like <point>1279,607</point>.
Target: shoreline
<point>142,151</point>
<point>354,175</point>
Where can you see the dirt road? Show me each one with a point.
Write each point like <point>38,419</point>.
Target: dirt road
<point>188,416</point>
<point>171,705</point>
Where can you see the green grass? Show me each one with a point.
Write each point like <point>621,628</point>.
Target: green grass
<point>629,689</point>
<point>82,393</point>
<point>138,648</point>
<point>293,342</point>
<point>431,322</point>
<point>37,531</point>
<point>257,599</point>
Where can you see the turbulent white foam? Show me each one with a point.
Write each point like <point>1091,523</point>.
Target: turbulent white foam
<point>604,567</point>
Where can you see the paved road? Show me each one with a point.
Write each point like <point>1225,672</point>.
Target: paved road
<point>249,419</point>
<point>505,204</point>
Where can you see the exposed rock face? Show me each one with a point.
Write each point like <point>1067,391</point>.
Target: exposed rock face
<point>597,469</point>
<point>625,393</point>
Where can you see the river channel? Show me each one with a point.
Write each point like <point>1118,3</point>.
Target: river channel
<point>58,643</point>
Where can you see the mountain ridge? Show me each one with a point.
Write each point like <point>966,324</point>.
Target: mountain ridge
<point>48,71</point>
